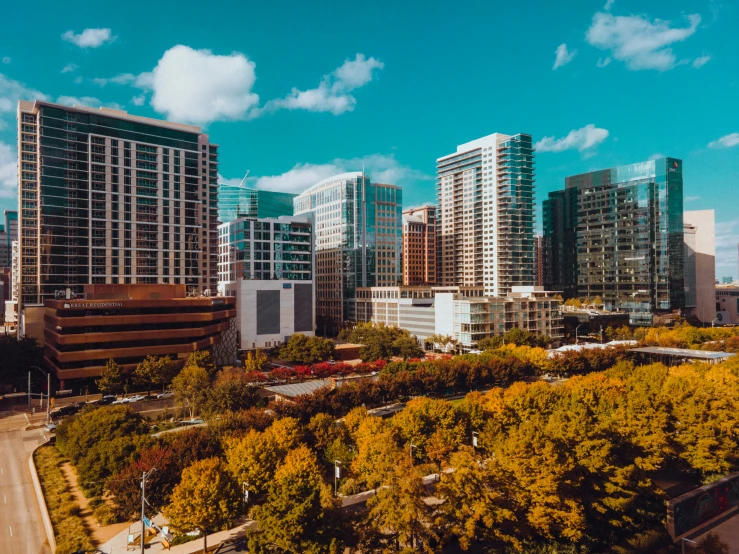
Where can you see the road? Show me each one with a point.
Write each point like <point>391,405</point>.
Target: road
<point>21,529</point>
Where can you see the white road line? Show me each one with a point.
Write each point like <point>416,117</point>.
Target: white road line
<point>5,500</point>
<point>11,530</point>
<point>1,471</point>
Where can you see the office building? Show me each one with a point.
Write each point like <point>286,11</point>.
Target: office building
<point>539,260</point>
<point>624,226</point>
<point>235,202</point>
<point>727,305</point>
<point>128,323</point>
<point>4,248</point>
<point>112,198</point>
<point>727,280</point>
<point>358,235</point>
<point>11,234</point>
<point>419,246</point>
<point>700,264</point>
<point>267,264</point>
<point>485,196</point>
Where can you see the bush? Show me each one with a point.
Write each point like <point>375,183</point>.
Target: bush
<point>104,515</point>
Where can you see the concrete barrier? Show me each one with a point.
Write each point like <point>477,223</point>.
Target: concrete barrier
<point>41,500</point>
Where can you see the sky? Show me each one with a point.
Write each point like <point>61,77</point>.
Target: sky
<point>295,92</point>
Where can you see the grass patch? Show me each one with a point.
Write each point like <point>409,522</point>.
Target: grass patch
<point>69,528</point>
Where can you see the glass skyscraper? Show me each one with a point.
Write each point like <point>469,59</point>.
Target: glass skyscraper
<point>358,234</point>
<point>235,202</point>
<point>625,228</point>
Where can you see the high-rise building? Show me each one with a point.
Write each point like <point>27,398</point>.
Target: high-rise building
<point>539,260</point>
<point>700,264</point>
<point>113,198</point>
<point>419,246</point>
<point>625,226</point>
<point>4,248</point>
<point>11,231</point>
<point>267,264</point>
<point>357,230</point>
<point>235,202</point>
<point>485,193</point>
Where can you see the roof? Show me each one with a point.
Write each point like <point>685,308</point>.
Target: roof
<point>683,353</point>
<point>593,345</point>
<point>298,389</point>
<point>339,177</point>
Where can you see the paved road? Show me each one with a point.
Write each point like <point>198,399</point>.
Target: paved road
<point>21,529</point>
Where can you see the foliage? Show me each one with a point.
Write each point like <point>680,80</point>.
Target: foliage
<point>230,392</point>
<point>296,514</point>
<point>306,350</point>
<point>202,359</point>
<point>106,458</point>
<point>111,378</point>
<point>205,499</point>
<point>255,361</point>
<point>380,341</point>
<point>190,388</point>
<point>70,531</point>
<point>154,370</point>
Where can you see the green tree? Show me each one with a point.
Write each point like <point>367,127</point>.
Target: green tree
<point>490,343</point>
<point>406,346</point>
<point>307,350</point>
<point>230,392</point>
<point>111,379</point>
<point>205,499</point>
<point>296,514</point>
<point>255,361</point>
<point>190,388</point>
<point>202,359</point>
<point>153,370</point>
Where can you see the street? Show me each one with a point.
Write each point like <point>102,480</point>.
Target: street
<point>21,529</point>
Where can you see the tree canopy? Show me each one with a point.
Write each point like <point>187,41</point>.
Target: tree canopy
<point>302,349</point>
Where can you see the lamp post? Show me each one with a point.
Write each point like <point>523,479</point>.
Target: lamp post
<point>245,490</point>
<point>682,544</point>
<point>714,321</point>
<point>337,475</point>
<point>48,392</point>
<point>576,330</point>
<point>144,476</point>
<point>412,446</point>
<point>475,434</point>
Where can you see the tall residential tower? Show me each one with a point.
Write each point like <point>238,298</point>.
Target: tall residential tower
<point>419,246</point>
<point>485,193</point>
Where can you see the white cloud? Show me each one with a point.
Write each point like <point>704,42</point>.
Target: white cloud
<point>89,38</point>
<point>69,68</point>
<point>608,6</point>
<point>333,93</point>
<point>7,60</point>
<point>8,171</point>
<point>197,86</point>
<point>11,91</point>
<point>563,56</point>
<point>89,101</point>
<point>726,240</point>
<point>700,62</point>
<point>602,62</point>
<point>577,139</point>
<point>656,156</point>
<point>138,100</point>
<point>78,79</point>
<point>637,41</point>
<point>121,79</point>
<point>380,168</point>
<point>691,198</point>
<point>727,141</point>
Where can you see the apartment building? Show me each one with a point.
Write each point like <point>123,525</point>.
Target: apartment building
<point>358,238</point>
<point>235,202</point>
<point>700,264</point>
<point>619,235</point>
<point>485,217</point>
<point>11,234</point>
<point>419,246</point>
<point>107,197</point>
<point>267,264</point>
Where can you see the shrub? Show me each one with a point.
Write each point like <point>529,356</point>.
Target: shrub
<point>105,515</point>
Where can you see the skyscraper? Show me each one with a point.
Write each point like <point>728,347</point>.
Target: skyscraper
<point>625,225</point>
<point>357,230</point>
<point>419,246</point>
<point>109,197</point>
<point>11,233</point>
<point>235,202</point>
<point>485,193</point>
<point>538,260</point>
<point>700,264</point>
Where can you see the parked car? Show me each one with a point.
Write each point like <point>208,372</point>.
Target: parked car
<point>107,399</point>
<point>136,398</point>
<point>475,352</point>
<point>165,394</point>
<point>123,400</point>
<point>51,427</point>
<point>68,410</point>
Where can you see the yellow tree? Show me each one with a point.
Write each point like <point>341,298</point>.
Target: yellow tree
<point>205,500</point>
<point>377,451</point>
<point>191,388</point>
<point>253,459</point>
<point>255,361</point>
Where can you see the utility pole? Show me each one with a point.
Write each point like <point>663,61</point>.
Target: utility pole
<point>337,475</point>
<point>48,391</point>
<point>144,476</point>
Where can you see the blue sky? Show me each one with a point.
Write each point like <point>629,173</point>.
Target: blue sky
<point>296,91</point>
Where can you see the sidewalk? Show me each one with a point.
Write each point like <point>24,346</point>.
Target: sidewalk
<point>117,545</point>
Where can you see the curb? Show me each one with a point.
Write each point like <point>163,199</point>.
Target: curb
<point>40,499</point>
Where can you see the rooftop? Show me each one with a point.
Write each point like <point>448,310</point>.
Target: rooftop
<point>299,389</point>
<point>683,353</point>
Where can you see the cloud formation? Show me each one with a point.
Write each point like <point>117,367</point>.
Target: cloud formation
<point>691,198</point>
<point>197,86</point>
<point>333,94</point>
<point>577,139</point>
<point>727,141</point>
<point>8,171</point>
<point>380,168</point>
<point>7,60</point>
<point>563,56</point>
<point>89,101</point>
<point>637,41</point>
<point>11,91</point>
<point>700,62</point>
<point>89,38</point>
<point>726,239</point>
<point>69,68</point>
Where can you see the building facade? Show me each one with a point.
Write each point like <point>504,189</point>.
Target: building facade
<point>625,226</point>
<point>235,202</point>
<point>358,239</point>
<point>419,246</point>
<point>128,323</point>
<point>700,264</point>
<point>11,233</point>
<point>727,305</point>
<point>485,217</point>
<point>539,261</point>
<point>111,198</point>
<point>267,264</point>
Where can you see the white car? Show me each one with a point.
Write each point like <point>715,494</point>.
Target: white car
<point>165,394</point>
<point>136,398</point>
<point>123,400</point>
<point>475,352</point>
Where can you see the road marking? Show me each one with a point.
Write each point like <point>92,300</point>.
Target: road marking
<point>11,530</point>
<point>1,471</point>
<point>5,500</point>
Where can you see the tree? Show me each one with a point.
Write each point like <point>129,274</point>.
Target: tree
<point>205,499</point>
<point>406,346</point>
<point>106,458</point>
<point>296,515</point>
<point>253,459</point>
<point>307,350</point>
<point>202,359</point>
<point>111,379</point>
<point>490,343</point>
<point>231,392</point>
<point>191,388</point>
<point>255,361</point>
<point>154,370</point>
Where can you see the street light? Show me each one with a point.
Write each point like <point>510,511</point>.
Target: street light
<point>412,446</point>
<point>337,475</point>
<point>474,439</point>
<point>144,476</point>
<point>714,321</point>
<point>682,544</point>
<point>576,329</point>
<point>48,392</point>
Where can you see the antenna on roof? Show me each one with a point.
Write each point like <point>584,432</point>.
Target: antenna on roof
<point>243,181</point>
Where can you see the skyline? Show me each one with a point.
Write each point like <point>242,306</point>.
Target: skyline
<point>318,96</point>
